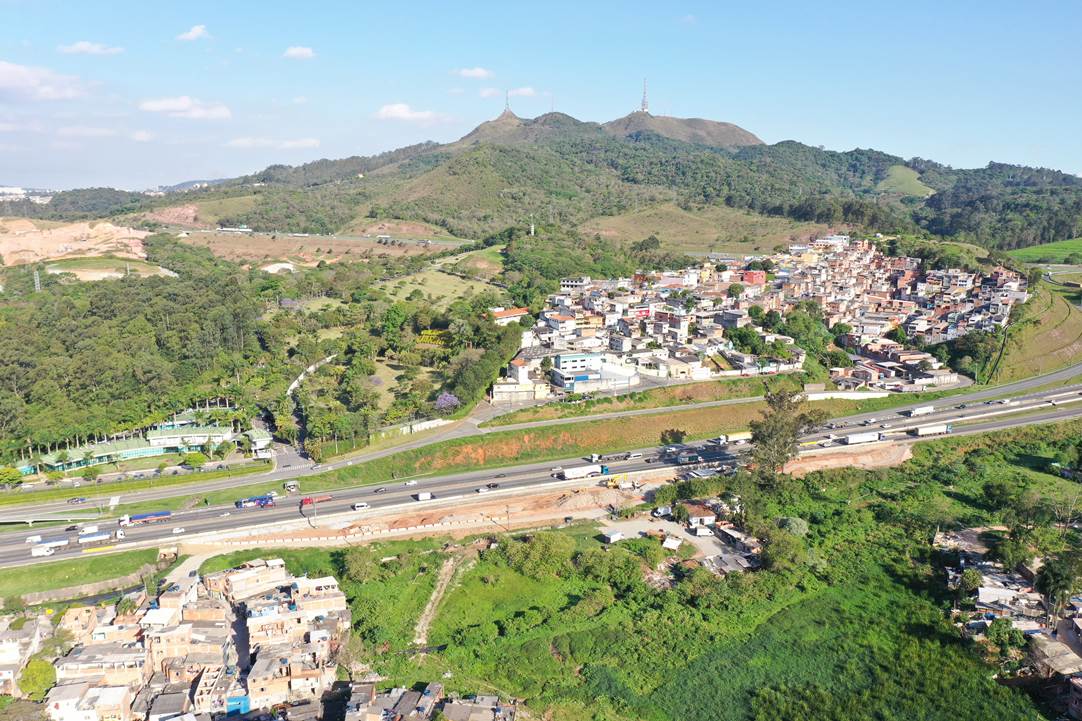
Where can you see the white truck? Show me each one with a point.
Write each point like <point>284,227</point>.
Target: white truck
<point>739,437</point>
<point>933,430</point>
<point>103,537</point>
<point>423,496</point>
<point>868,437</point>
<point>571,474</point>
<point>87,529</point>
<point>41,550</point>
<point>920,411</point>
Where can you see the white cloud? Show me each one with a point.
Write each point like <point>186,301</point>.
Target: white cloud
<point>489,92</point>
<point>299,52</point>
<point>247,143</point>
<point>455,91</point>
<point>402,111</point>
<point>480,73</point>
<point>85,47</point>
<point>187,107</point>
<point>142,136</point>
<point>300,100</point>
<point>687,19</point>
<point>84,131</point>
<point>26,82</point>
<point>198,32</point>
<point>10,128</point>
<point>526,92</point>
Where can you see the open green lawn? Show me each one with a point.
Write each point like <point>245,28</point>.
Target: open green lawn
<point>1048,252</point>
<point>1048,337</point>
<point>437,288</point>
<point>903,181</point>
<point>712,228</point>
<point>47,576</point>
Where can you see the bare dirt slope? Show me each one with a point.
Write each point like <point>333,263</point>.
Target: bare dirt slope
<point>879,455</point>
<point>24,241</point>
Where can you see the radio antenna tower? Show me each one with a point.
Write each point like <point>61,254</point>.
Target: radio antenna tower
<point>645,103</point>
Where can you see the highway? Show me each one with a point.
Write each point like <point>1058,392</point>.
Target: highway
<point>967,414</point>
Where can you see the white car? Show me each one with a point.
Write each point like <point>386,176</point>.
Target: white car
<point>482,489</point>
<point>223,515</point>
<point>178,531</point>
<point>272,494</point>
<point>410,483</point>
<point>360,506</point>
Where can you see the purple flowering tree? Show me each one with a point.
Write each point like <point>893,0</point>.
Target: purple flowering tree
<point>447,402</point>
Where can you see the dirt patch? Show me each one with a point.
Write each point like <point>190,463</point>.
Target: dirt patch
<point>300,250</point>
<point>21,241</point>
<point>399,228</point>
<point>443,580</point>
<point>186,216</point>
<point>874,456</point>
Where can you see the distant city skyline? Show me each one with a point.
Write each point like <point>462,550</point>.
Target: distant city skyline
<point>135,96</point>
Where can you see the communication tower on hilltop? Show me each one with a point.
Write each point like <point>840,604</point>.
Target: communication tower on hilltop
<point>645,103</point>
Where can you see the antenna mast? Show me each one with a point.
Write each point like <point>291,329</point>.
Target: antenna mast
<point>507,101</point>
<point>645,103</point>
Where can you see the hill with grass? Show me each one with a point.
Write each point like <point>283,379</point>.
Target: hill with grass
<point>565,171</point>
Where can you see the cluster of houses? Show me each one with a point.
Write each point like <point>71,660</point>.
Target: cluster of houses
<point>243,640</point>
<point>607,335</point>
<point>1054,645</point>
<point>422,704</point>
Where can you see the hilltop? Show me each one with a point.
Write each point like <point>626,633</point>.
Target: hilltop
<point>628,178</point>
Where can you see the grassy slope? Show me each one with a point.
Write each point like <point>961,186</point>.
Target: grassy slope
<point>1049,337</point>
<point>903,181</point>
<point>211,211</point>
<point>440,289</point>
<point>61,574</point>
<point>1053,252</point>
<point>714,228</point>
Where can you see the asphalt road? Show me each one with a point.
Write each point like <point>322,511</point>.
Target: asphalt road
<point>975,417</point>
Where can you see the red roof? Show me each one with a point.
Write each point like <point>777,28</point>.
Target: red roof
<point>510,312</point>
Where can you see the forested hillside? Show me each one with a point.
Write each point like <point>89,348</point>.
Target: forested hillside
<point>557,169</point>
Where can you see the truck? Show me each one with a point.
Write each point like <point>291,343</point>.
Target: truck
<point>739,437</point>
<point>88,529</point>
<point>867,437</point>
<point>423,496</point>
<point>571,474</point>
<point>141,519</point>
<point>920,411</point>
<point>621,483</point>
<point>683,458</point>
<point>102,537</point>
<point>39,549</point>
<point>55,542</point>
<point>933,430</point>
<point>312,500</point>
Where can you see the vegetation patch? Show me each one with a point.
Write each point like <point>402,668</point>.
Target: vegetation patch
<point>51,575</point>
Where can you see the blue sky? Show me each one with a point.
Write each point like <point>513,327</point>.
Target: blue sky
<point>139,94</point>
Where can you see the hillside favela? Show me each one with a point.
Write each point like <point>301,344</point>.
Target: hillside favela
<point>540,362</point>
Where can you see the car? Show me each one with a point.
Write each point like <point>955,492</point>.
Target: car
<point>482,489</point>
<point>317,466</point>
<point>223,515</point>
<point>884,425</point>
<point>492,485</point>
<point>193,573</point>
<point>75,484</point>
<point>963,406</point>
<point>381,489</point>
<point>272,494</point>
<point>360,506</point>
<point>178,531</point>
<point>500,475</point>
<point>77,500</point>
<point>410,483</point>
<point>556,469</point>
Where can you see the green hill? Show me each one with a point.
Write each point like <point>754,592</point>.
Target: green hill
<point>565,171</point>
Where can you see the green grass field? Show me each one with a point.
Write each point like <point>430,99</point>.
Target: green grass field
<point>101,267</point>
<point>1048,252</point>
<point>48,576</point>
<point>437,288</point>
<point>701,230</point>
<point>903,181</point>
<point>1048,337</point>
<point>211,211</point>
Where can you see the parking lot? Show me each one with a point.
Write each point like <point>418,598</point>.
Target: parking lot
<point>706,546</point>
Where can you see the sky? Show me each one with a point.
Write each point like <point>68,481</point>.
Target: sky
<point>137,94</point>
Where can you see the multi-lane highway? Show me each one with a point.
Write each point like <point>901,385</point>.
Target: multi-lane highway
<point>980,411</point>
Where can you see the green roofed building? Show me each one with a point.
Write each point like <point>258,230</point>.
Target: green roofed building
<point>158,442</point>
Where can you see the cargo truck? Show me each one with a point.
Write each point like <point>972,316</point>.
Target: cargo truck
<point>739,437</point>
<point>312,500</point>
<point>55,542</point>
<point>39,549</point>
<point>101,537</point>
<point>571,474</point>
<point>921,411</point>
<point>869,437</point>
<point>139,519</point>
<point>423,496</point>
<point>266,501</point>
<point>88,529</point>
<point>683,458</point>
<point>933,430</point>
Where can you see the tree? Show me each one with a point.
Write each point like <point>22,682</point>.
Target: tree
<point>898,335</point>
<point>195,460</point>
<point>10,476</point>
<point>971,580</point>
<point>775,434</point>
<point>37,678</point>
<point>1057,580</point>
<point>671,436</point>
<point>735,290</point>
<point>447,403</point>
<point>1002,634</point>
<point>90,473</point>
